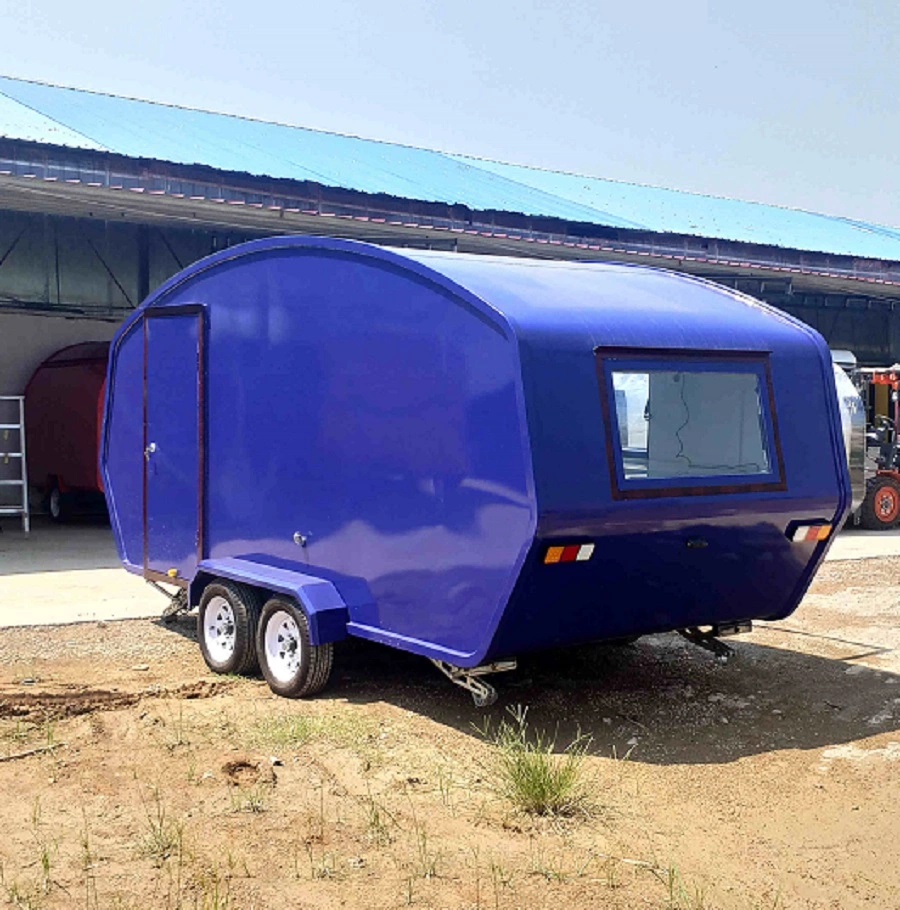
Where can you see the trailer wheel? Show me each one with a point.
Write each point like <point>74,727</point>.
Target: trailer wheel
<point>881,507</point>
<point>226,627</point>
<point>292,665</point>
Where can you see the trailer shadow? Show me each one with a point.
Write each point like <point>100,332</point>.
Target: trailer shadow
<point>661,700</point>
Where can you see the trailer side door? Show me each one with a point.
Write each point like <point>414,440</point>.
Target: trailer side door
<point>173,441</point>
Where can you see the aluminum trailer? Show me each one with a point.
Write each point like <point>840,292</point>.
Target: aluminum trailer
<point>466,457</point>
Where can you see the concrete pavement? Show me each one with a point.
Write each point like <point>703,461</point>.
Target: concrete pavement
<point>856,544</point>
<point>67,573</point>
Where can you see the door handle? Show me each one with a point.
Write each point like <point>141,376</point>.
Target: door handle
<point>696,543</point>
<point>149,451</point>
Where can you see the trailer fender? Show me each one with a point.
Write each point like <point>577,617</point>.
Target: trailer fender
<point>320,601</point>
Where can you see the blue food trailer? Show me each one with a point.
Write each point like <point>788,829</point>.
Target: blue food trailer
<point>466,457</point>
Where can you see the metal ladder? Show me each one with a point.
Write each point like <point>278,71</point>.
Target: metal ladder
<point>13,469</point>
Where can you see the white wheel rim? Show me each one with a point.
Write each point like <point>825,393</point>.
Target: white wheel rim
<point>284,646</point>
<point>218,629</point>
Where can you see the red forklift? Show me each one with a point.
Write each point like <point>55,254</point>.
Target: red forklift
<point>879,387</point>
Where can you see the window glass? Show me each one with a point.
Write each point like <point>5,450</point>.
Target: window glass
<point>690,424</point>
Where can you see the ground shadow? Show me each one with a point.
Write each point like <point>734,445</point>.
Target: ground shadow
<point>183,624</point>
<point>83,542</point>
<point>661,700</point>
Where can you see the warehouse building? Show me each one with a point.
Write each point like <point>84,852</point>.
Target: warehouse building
<point>102,198</point>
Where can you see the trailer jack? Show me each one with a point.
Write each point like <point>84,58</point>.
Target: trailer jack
<point>483,693</point>
<point>178,602</point>
<point>711,639</point>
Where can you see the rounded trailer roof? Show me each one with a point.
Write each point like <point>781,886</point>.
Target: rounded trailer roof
<point>616,304</point>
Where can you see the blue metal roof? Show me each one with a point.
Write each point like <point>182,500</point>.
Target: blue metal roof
<point>140,129</point>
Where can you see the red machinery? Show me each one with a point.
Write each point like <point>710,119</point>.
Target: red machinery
<point>881,507</point>
<point>63,419</point>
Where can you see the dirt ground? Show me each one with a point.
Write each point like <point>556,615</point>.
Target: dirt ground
<point>132,778</point>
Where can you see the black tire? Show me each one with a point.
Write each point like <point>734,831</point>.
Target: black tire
<point>58,505</point>
<point>881,507</point>
<point>291,665</point>
<point>226,627</point>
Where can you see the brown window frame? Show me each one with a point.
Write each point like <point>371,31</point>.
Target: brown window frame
<point>606,357</point>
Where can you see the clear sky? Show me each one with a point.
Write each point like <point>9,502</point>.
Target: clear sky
<point>793,102</point>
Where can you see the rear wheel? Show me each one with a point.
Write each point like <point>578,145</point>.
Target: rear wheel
<point>881,507</point>
<point>226,627</point>
<point>58,505</point>
<point>292,665</point>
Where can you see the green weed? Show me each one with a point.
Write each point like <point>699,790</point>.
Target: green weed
<point>530,773</point>
<point>678,895</point>
<point>377,818</point>
<point>426,858</point>
<point>46,848</point>
<point>322,867</point>
<point>212,890</point>
<point>164,836</point>
<point>250,799</point>
<point>290,731</point>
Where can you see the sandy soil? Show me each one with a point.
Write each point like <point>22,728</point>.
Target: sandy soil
<point>770,781</point>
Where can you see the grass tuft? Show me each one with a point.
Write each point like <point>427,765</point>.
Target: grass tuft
<point>294,730</point>
<point>163,836</point>
<point>378,818</point>
<point>531,774</point>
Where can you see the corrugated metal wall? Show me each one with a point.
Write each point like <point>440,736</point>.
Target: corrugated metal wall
<point>90,269</point>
